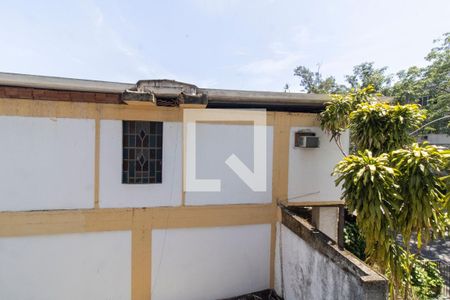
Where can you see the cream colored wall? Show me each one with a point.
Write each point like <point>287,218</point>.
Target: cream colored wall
<point>210,263</point>
<point>115,194</point>
<point>46,163</point>
<point>215,144</point>
<point>68,266</point>
<point>191,214</point>
<point>310,169</point>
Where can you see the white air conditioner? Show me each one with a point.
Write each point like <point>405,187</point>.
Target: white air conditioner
<point>306,139</point>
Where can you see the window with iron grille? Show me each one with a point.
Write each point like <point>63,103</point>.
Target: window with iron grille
<point>142,152</point>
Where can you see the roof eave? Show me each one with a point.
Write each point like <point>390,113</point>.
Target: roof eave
<point>216,98</point>
<point>60,83</point>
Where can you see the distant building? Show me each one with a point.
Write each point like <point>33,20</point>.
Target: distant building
<point>438,139</point>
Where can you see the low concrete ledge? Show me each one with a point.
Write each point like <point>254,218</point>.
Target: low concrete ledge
<point>373,284</point>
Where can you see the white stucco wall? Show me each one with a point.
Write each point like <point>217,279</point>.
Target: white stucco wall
<point>210,263</point>
<point>307,274</point>
<point>278,284</point>
<point>215,143</point>
<point>328,221</point>
<point>115,194</point>
<point>46,163</point>
<point>310,169</point>
<point>71,266</point>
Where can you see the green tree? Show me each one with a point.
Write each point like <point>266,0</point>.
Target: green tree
<point>393,185</point>
<point>409,88</point>
<point>365,74</point>
<point>313,82</point>
<point>429,86</point>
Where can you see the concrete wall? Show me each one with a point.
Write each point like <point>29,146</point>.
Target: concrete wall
<point>215,143</point>
<point>210,263</point>
<point>115,194</point>
<point>69,266</point>
<point>310,169</point>
<point>326,220</point>
<point>307,274</point>
<point>311,268</point>
<point>46,163</point>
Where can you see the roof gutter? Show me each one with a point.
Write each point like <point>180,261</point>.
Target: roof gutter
<point>268,100</point>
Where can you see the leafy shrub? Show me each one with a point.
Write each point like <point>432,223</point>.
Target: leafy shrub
<point>425,279</point>
<point>381,127</point>
<point>353,240</point>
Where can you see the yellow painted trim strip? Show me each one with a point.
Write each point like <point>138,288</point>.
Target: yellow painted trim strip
<point>280,173</point>
<point>303,119</point>
<point>79,110</point>
<point>280,156</point>
<point>190,106</point>
<point>64,221</point>
<point>97,165</point>
<point>273,240</point>
<point>82,110</point>
<point>315,203</point>
<point>141,247</point>
<point>112,219</point>
<point>212,216</point>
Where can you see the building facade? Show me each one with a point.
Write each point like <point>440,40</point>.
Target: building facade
<point>92,197</point>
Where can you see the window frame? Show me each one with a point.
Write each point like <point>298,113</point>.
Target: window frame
<point>142,152</point>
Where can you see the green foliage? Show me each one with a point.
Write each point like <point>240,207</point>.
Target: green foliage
<point>335,119</point>
<point>353,240</point>
<point>363,76</point>
<point>422,189</point>
<point>400,192</point>
<point>313,82</point>
<point>396,193</point>
<point>426,280</point>
<point>408,88</point>
<point>381,127</point>
<point>429,86</point>
<point>414,277</point>
<point>446,179</point>
<point>366,74</point>
<point>370,189</point>
<point>394,187</point>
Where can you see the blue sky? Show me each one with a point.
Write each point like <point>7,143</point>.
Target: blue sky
<point>246,44</point>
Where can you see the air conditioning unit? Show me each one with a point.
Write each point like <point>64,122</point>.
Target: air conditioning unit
<point>306,139</point>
